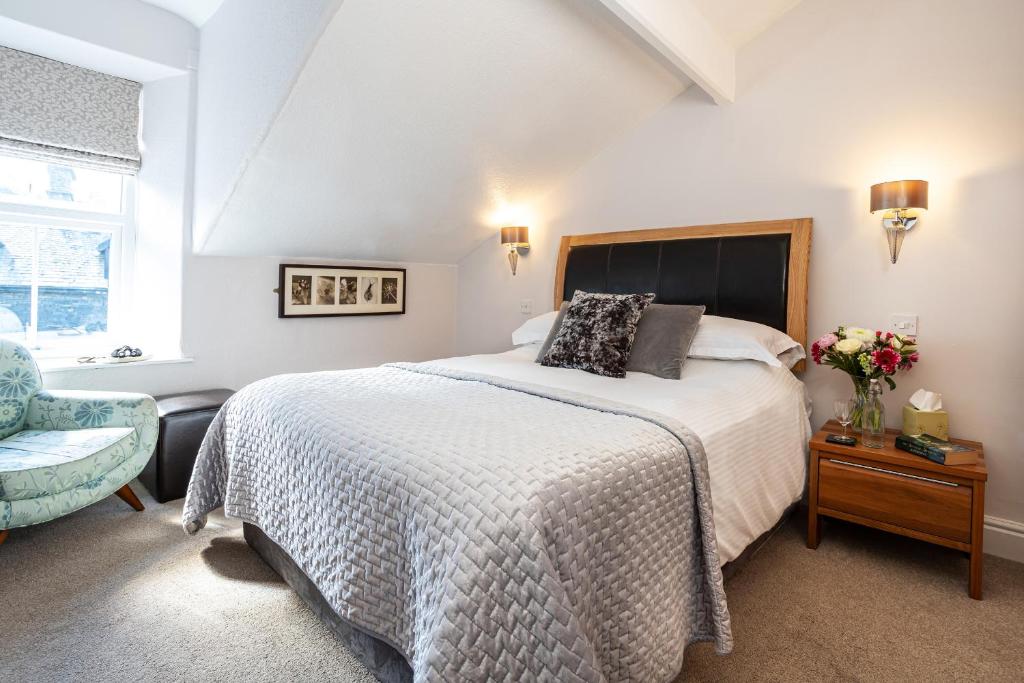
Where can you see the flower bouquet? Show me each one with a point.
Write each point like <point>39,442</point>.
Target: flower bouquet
<point>866,355</point>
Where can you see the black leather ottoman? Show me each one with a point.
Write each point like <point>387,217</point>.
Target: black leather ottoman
<point>184,419</point>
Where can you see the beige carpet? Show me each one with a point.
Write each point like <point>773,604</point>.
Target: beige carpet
<point>109,594</point>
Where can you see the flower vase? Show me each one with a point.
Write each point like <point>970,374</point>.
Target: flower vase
<point>869,413</point>
<point>861,389</point>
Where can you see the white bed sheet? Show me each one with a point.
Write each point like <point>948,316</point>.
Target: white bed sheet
<point>753,420</point>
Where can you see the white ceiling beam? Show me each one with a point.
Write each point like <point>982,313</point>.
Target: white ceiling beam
<point>678,31</point>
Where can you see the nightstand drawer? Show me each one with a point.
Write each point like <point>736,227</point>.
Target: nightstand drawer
<point>916,502</point>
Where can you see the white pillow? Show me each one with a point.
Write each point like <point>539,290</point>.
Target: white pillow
<point>535,330</point>
<point>732,339</point>
<point>791,357</point>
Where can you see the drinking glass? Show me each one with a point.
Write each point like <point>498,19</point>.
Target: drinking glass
<point>843,411</point>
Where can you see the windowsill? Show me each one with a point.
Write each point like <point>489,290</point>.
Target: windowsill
<point>48,365</point>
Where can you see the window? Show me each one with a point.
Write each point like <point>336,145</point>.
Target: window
<point>64,232</point>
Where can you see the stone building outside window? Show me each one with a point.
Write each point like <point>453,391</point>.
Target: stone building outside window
<point>63,235</point>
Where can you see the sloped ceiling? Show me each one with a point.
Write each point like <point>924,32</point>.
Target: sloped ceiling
<point>739,21</point>
<point>414,129</point>
<point>413,123</point>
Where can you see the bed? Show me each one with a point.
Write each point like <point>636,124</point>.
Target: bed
<point>485,517</point>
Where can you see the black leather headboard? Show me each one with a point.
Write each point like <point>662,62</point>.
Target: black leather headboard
<point>745,277</point>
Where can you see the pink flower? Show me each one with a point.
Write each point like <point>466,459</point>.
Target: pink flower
<point>908,360</point>
<point>886,358</point>
<point>826,341</point>
<point>819,347</point>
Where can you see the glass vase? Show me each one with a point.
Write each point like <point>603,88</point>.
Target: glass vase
<point>861,389</point>
<point>872,414</point>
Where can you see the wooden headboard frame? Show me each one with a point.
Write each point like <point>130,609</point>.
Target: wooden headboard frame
<point>799,230</point>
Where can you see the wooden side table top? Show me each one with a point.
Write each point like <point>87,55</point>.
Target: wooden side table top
<point>890,455</point>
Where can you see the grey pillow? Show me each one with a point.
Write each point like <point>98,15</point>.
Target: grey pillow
<point>554,331</point>
<point>597,333</point>
<point>663,338</point>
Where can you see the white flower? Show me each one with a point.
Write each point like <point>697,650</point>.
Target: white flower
<point>848,345</point>
<point>861,333</point>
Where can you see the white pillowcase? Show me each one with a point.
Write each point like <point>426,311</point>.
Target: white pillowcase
<point>732,339</point>
<point>717,338</point>
<point>792,356</point>
<point>535,330</point>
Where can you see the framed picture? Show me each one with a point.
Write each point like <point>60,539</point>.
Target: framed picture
<point>319,291</point>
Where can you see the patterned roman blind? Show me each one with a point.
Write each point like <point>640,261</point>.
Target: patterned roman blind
<point>59,113</point>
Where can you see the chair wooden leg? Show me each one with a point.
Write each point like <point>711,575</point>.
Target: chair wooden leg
<point>3,536</point>
<point>126,494</point>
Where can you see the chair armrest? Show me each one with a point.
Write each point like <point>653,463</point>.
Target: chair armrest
<point>70,410</point>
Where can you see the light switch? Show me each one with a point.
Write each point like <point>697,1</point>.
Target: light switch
<point>905,323</point>
<point>526,306</point>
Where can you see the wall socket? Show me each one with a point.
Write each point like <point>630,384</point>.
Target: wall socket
<point>905,323</point>
<point>526,306</point>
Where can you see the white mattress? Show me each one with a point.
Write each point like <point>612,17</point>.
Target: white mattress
<point>753,420</point>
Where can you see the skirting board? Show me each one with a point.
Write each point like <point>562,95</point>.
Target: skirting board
<point>1004,538</point>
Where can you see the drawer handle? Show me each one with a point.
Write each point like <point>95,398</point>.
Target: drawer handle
<point>898,474</point>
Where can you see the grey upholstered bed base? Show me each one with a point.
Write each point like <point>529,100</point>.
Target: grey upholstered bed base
<point>385,662</point>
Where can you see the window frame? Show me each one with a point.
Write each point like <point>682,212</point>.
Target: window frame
<point>122,229</point>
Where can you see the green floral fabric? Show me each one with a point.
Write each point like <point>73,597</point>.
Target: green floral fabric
<point>37,463</point>
<point>18,513</point>
<point>19,380</point>
<point>77,447</point>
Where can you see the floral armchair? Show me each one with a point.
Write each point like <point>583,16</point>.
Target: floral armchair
<point>63,450</point>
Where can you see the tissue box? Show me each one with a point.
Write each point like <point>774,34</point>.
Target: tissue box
<point>933,422</point>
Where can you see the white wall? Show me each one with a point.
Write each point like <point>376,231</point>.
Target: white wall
<point>231,322</point>
<point>162,188</point>
<point>233,336</point>
<point>250,54</point>
<point>221,312</point>
<point>834,97</point>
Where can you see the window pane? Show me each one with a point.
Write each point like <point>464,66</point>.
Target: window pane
<point>74,268</point>
<point>23,181</point>
<point>15,281</point>
<point>73,272</point>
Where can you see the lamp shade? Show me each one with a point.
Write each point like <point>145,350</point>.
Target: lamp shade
<point>518,236</point>
<point>899,194</point>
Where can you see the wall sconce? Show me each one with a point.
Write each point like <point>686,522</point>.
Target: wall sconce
<point>897,198</point>
<point>516,238</point>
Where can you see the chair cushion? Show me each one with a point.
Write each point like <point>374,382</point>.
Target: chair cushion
<point>37,463</point>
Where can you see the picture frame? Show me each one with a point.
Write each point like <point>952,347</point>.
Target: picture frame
<point>314,291</point>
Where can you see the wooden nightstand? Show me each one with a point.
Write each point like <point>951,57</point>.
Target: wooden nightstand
<point>896,491</point>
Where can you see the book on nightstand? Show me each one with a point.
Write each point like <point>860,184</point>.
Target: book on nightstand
<point>937,450</point>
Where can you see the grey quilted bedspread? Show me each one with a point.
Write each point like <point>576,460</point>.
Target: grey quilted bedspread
<point>487,530</point>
